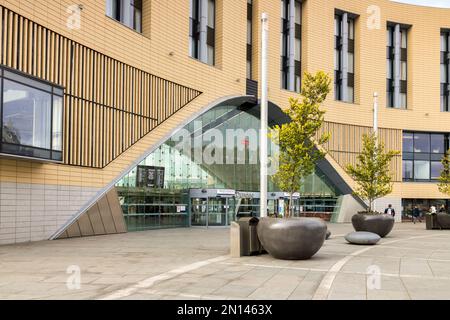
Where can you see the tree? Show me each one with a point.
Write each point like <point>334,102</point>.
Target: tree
<point>297,141</point>
<point>444,179</point>
<point>372,172</point>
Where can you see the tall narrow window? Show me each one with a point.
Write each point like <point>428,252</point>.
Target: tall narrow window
<point>291,19</point>
<point>202,30</point>
<point>344,56</point>
<point>249,38</point>
<point>128,12</point>
<point>397,66</point>
<point>445,71</point>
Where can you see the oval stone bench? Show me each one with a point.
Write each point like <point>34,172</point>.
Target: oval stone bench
<point>363,238</point>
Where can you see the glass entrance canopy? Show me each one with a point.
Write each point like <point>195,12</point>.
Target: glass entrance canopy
<point>217,151</point>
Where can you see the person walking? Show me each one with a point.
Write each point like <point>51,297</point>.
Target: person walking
<point>389,210</point>
<point>416,214</point>
<point>433,210</point>
<point>442,209</point>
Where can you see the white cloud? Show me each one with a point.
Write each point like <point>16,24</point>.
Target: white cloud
<point>431,3</point>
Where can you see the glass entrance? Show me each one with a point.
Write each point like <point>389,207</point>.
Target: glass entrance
<point>211,212</point>
<point>217,212</point>
<point>199,211</point>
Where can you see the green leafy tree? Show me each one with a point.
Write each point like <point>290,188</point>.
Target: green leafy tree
<point>372,172</point>
<point>297,140</point>
<point>444,179</point>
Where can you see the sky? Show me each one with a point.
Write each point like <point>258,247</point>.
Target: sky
<point>433,3</point>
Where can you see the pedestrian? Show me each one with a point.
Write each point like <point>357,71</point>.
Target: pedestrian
<point>442,209</point>
<point>389,210</point>
<point>416,214</point>
<point>433,210</point>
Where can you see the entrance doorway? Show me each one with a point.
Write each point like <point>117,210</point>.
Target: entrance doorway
<point>212,212</point>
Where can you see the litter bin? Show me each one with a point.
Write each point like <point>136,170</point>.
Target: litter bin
<point>250,244</point>
<point>431,221</point>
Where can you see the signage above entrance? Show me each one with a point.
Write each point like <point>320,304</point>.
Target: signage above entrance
<point>226,192</point>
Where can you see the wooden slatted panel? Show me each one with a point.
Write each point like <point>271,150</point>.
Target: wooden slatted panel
<point>345,144</point>
<point>109,105</point>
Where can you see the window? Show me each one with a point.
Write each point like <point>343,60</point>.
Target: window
<point>422,155</point>
<point>344,56</point>
<point>202,30</point>
<point>31,117</point>
<point>445,71</point>
<point>291,19</point>
<point>397,66</point>
<point>128,12</point>
<point>249,39</point>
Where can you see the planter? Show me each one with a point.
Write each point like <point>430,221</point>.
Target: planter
<point>443,221</point>
<point>380,224</point>
<point>293,238</point>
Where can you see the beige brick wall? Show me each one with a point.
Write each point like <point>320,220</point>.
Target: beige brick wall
<point>166,29</point>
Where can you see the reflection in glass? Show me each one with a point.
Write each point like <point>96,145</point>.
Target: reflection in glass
<point>26,115</point>
<point>407,170</point>
<point>437,143</point>
<point>436,170</point>
<point>422,142</point>
<point>422,170</point>
<point>408,142</point>
<point>182,172</point>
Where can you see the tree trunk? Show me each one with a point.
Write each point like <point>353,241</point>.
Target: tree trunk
<point>290,203</point>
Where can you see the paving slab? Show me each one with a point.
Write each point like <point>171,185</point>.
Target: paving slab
<point>412,263</point>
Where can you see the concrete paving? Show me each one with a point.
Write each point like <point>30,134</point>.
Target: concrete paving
<point>411,263</point>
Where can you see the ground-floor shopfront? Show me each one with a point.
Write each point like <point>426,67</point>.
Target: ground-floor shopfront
<point>146,209</point>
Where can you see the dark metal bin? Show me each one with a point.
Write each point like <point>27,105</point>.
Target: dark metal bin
<point>250,243</point>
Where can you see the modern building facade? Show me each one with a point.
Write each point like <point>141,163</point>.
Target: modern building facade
<point>94,93</point>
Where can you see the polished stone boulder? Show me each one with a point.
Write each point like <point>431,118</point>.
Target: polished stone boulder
<point>443,220</point>
<point>328,235</point>
<point>381,224</point>
<point>292,238</point>
<point>363,238</point>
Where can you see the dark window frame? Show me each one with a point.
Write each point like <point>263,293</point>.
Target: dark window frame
<point>338,76</point>
<point>430,157</point>
<point>54,90</point>
<point>390,56</point>
<point>445,61</point>
<point>117,15</point>
<point>284,70</point>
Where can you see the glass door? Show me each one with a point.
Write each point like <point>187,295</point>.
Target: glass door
<point>217,212</point>
<point>199,212</point>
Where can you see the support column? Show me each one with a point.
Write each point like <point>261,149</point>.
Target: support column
<point>397,65</point>
<point>345,57</point>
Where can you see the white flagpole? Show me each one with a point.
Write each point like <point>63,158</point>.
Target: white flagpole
<point>264,115</point>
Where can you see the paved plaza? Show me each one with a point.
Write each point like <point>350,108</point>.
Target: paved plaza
<point>412,263</point>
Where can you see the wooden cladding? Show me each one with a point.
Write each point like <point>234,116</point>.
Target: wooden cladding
<point>346,144</point>
<point>109,105</point>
